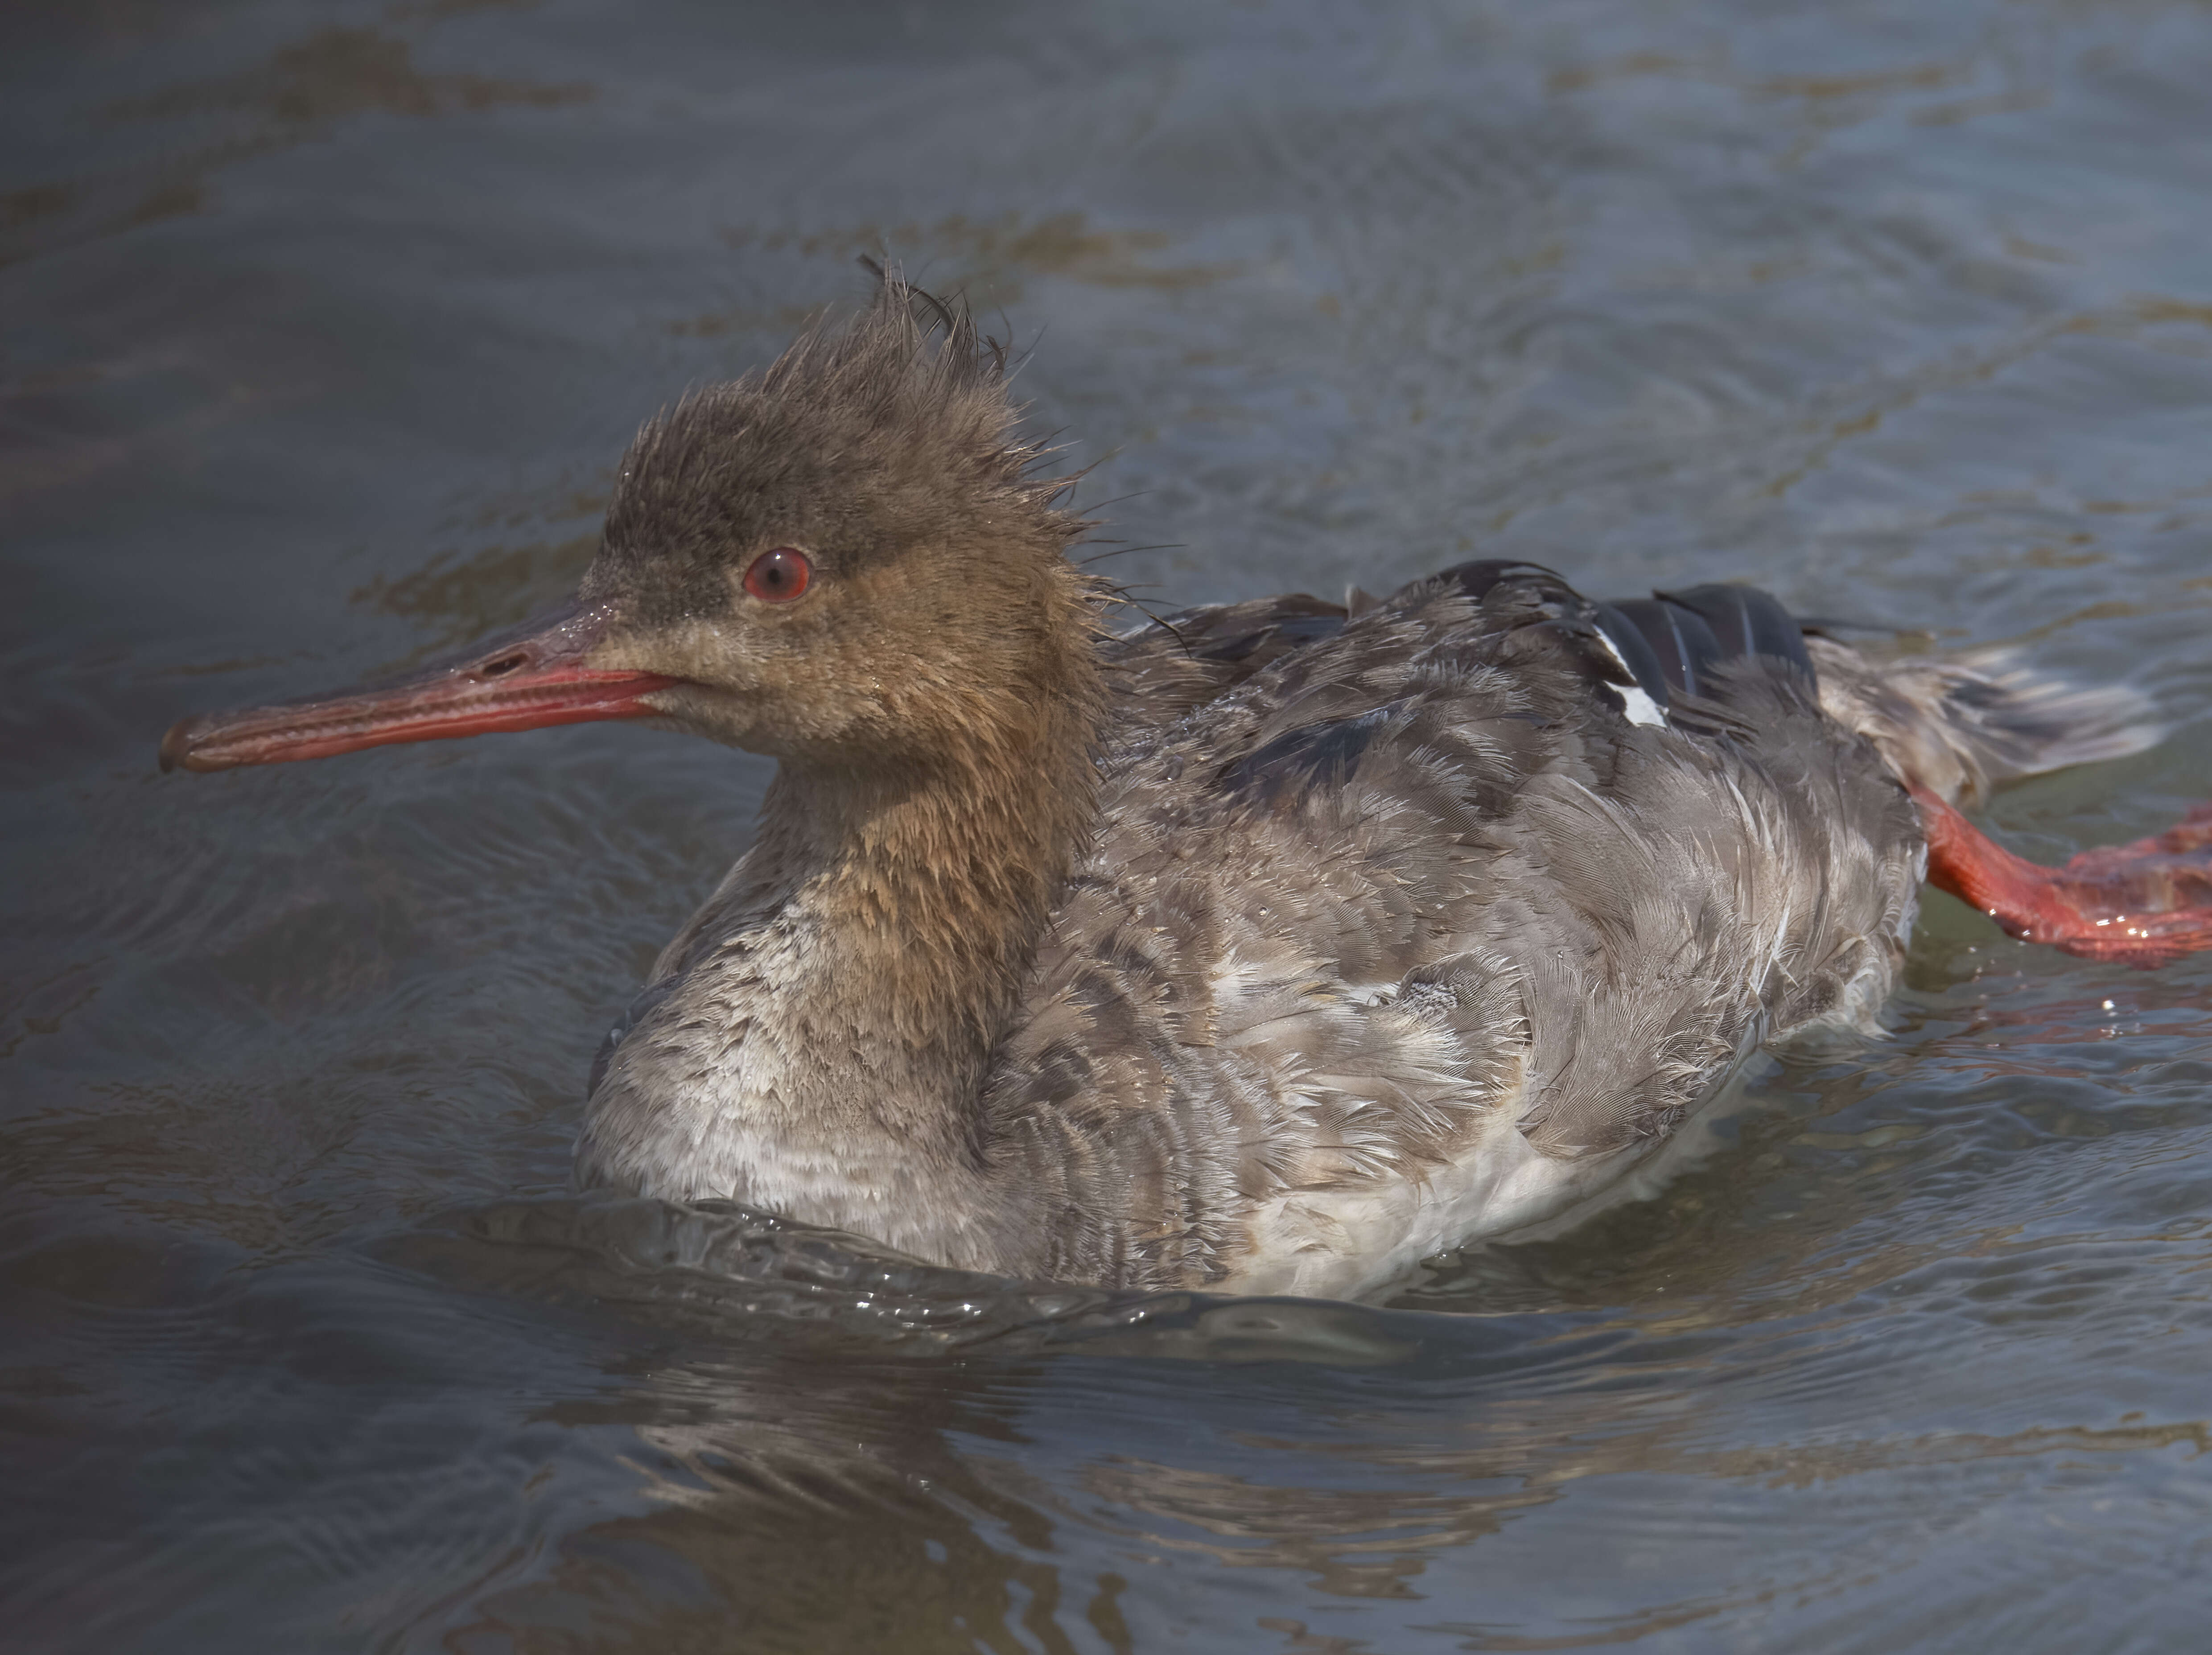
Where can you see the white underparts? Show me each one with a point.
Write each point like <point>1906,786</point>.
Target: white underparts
<point>1342,1242</point>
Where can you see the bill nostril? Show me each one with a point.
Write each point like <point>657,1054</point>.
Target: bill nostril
<point>502,666</point>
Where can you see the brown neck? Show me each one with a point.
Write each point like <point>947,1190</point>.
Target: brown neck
<point>823,1046</point>
<point>923,886</point>
<point>933,881</point>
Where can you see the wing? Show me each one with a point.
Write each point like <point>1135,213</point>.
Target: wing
<point>1416,870</point>
<point>1179,661</point>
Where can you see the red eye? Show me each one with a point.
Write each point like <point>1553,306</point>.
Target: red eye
<point>778,576</point>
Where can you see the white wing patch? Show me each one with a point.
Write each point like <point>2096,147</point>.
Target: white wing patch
<point>1642,709</point>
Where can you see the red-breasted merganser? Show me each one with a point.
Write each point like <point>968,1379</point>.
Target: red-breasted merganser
<point>1269,948</point>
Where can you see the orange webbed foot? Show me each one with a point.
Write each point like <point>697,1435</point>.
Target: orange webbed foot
<point>2143,903</point>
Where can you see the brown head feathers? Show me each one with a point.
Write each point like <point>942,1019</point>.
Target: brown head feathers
<point>863,440</point>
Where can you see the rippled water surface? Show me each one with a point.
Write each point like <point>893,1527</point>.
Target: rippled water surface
<point>322,326</point>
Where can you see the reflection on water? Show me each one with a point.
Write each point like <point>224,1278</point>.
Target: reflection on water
<point>455,599</point>
<point>987,260</point>
<point>321,327</point>
<point>334,74</point>
<point>712,1263</point>
<point>331,75</point>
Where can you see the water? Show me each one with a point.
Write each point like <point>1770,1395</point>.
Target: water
<point>323,327</point>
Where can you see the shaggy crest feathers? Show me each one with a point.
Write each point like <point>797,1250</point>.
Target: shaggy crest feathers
<point>886,430</point>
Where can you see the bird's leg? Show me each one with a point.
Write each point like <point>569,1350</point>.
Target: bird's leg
<point>2143,903</point>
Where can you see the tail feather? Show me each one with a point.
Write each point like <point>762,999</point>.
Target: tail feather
<point>1959,728</point>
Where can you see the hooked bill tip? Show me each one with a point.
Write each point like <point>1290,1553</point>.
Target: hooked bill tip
<point>176,745</point>
<point>188,746</point>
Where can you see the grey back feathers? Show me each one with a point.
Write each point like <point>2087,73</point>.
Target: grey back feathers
<point>1410,878</point>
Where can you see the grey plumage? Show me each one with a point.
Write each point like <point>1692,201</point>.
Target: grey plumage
<point>1381,929</point>
<point>1407,877</point>
<point>1961,727</point>
<point>1266,949</point>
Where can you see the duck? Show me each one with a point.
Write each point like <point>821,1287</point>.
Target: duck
<point>1267,946</point>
